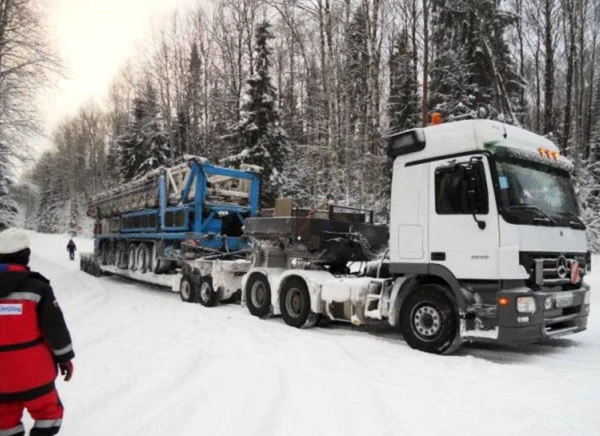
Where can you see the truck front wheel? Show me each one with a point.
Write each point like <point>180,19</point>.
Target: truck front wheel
<point>295,304</point>
<point>258,296</point>
<point>429,321</point>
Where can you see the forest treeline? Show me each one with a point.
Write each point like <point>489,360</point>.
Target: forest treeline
<point>309,89</point>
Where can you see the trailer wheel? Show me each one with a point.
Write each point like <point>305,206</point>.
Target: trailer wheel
<point>131,263</point>
<point>121,260</point>
<point>187,289</point>
<point>154,263</point>
<point>206,293</point>
<point>113,253</point>
<point>258,296</point>
<point>104,252</point>
<point>142,257</point>
<point>428,320</point>
<point>295,304</point>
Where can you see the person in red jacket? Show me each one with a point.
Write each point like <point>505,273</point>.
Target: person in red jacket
<point>34,340</point>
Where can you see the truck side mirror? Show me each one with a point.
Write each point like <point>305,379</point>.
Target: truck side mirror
<point>472,172</point>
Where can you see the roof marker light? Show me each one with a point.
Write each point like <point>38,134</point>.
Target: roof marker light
<point>550,154</point>
<point>436,118</point>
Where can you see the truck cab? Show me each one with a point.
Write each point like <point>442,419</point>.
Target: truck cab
<point>485,214</point>
<point>485,243</point>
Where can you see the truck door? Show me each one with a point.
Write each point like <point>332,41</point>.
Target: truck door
<point>463,218</point>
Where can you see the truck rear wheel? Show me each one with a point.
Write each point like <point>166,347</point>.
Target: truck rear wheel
<point>187,289</point>
<point>295,304</point>
<point>206,293</point>
<point>258,296</point>
<point>429,321</point>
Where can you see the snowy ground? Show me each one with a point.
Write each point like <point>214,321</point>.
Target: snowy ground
<point>148,364</point>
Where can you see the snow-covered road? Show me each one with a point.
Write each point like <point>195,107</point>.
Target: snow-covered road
<point>148,364</point>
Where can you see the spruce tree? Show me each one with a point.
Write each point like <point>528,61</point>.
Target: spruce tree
<point>8,207</point>
<point>403,101</point>
<point>51,211</point>
<point>194,103</point>
<point>259,136</point>
<point>130,144</point>
<point>356,71</point>
<point>472,66</point>
<point>145,144</point>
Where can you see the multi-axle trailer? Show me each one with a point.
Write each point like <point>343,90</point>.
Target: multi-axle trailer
<point>485,242</point>
<point>172,220</point>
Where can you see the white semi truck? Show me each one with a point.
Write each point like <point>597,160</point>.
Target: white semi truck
<point>486,243</point>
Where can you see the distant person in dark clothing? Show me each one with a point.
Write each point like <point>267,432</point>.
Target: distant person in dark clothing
<point>34,341</point>
<point>71,248</point>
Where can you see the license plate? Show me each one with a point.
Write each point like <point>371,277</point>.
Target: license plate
<point>564,300</point>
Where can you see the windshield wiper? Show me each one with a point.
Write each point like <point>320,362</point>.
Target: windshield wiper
<point>577,221</point>
<point>547,217</point>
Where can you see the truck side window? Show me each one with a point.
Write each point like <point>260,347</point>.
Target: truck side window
<point>451,191</point>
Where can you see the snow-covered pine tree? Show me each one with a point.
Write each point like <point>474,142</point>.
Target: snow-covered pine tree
<point>595,141</point>
<point>356,74</point>
<point>8,206</point>
<point>259,137</point>
<point>157,151</point>
<point>450,88</point>
<point>402,109</point>
<point>472,67</point>
<point>194,101</point>
<point>403,101</point>
<point>52,196</point>
<point>130,143</point>
<point>73,217</point>
<point>145,144</point>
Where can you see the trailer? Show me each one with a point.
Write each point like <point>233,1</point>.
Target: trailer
<point>486,244</point>
<point>179,227</point>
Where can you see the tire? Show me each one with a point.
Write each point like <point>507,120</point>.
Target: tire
<point>294,303</point>
<point>121,256</point>
<point>164,266</point>
<point>206,293</point>
<point>153,261</point>
<point>429,321</point>
<point>131,255</point>
<point>142,257</point>
<point>114,256</point>
<point>187,289</point>
<point>258,296</point>
<point>103,253</point>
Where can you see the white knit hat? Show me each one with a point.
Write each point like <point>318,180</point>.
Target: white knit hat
<point>13,241</point>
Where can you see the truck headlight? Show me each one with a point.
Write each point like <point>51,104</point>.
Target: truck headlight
<point>526,305</point>
<point>587,297</point>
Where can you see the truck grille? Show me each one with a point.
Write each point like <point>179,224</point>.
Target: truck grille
<point>548,270</point>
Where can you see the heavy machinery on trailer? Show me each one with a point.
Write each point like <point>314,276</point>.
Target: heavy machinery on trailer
<point>179,227</point>
<point>486,243</point>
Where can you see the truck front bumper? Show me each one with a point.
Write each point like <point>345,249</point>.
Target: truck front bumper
<point>556,314</point>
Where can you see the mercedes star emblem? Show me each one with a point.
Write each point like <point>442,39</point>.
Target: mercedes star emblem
<point>562,267</point>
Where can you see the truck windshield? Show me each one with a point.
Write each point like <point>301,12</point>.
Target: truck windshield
<point>538,194</point>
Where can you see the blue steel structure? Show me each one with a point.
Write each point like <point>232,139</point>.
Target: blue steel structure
<point>199,220</point>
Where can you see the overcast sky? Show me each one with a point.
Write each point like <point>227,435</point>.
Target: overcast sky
<point>94,38</point>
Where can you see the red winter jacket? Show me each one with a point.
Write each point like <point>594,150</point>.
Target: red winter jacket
<point>33,335</point>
